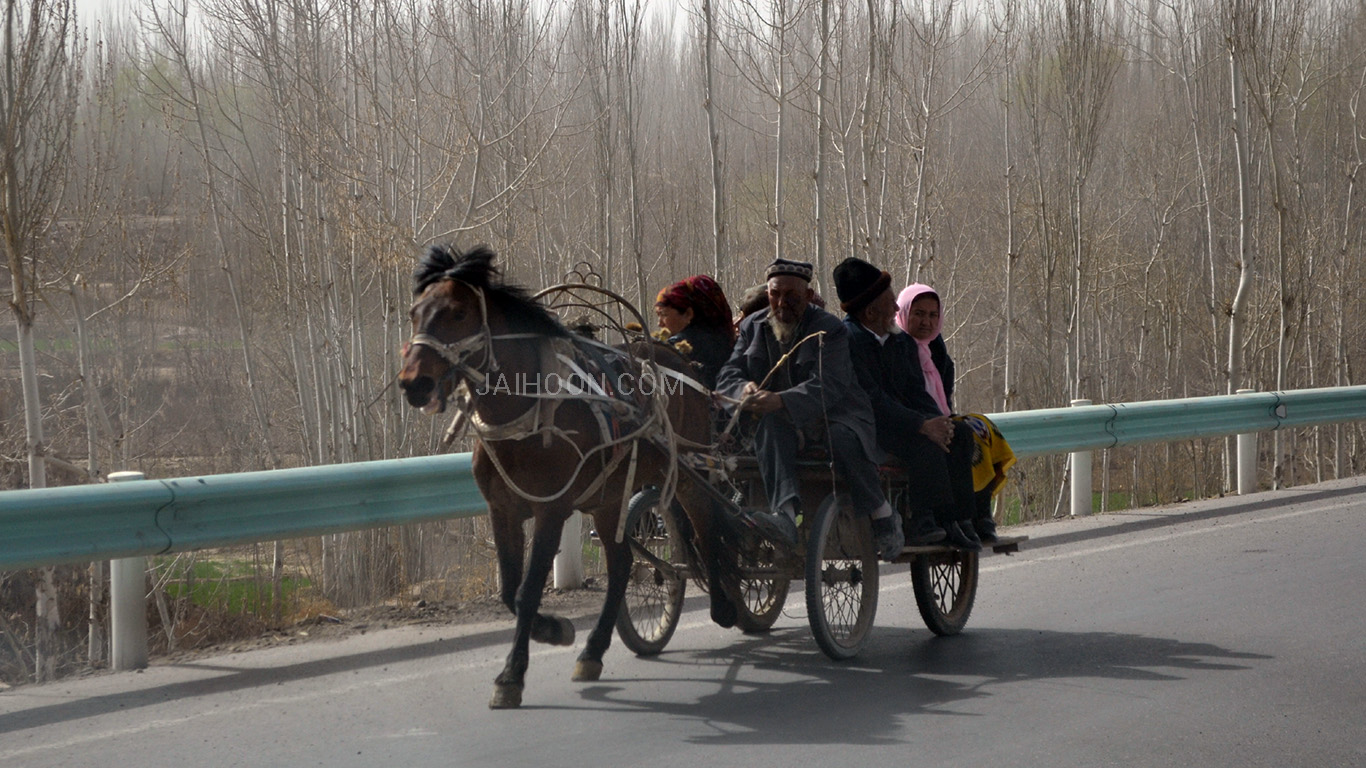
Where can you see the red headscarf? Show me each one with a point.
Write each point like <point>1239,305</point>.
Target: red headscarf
<point>704,297</point>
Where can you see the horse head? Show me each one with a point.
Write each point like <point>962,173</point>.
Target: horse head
<point>449,319</point>
<point>460,310</point>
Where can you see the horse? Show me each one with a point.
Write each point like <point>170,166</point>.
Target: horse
<point>539,456</point>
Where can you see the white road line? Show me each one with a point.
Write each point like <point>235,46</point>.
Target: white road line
<point>1137,542</point>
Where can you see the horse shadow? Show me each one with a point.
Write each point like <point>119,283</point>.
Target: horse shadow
<point>907,672</point>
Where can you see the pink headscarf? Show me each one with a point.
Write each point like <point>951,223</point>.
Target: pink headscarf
<point>934,383</point>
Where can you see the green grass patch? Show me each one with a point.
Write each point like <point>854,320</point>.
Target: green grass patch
<point>1010,512</point>
<point>231,587</point>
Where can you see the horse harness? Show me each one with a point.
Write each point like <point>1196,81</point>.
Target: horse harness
<point>621,417</point>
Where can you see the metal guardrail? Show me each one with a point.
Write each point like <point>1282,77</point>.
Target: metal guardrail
<point>84,523</point>
<point>148,517</point>
<point>1096,427</point>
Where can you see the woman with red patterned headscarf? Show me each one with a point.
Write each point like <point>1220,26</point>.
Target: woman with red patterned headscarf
<point>694,310</point>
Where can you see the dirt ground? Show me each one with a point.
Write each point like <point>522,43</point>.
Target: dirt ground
<point>571,603</point>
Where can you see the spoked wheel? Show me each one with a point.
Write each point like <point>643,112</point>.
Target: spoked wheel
<point>653,603</point>
<point>841,578</point>
<point>945,587</point>
<point>762,588</point>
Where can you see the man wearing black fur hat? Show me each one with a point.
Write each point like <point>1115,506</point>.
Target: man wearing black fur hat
<point>812,396</point>
<point>936,451</point>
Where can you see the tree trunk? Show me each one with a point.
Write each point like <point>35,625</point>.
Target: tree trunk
<point>780,156</point>
<point>718,225</point>
<point>1009,375</point>
<point>1238,309</point>
<point>822,139</point>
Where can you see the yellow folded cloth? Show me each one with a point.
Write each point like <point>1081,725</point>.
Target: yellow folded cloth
<point>991,454</point>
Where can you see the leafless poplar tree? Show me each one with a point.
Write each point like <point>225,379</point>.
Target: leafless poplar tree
<point>42,77</point>
<point>1088,61</point>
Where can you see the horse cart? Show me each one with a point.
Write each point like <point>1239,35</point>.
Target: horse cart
<point>553,387</point>
<point>835,560</point>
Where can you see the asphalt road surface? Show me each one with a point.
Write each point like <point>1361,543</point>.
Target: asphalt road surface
<point>1222,633</point>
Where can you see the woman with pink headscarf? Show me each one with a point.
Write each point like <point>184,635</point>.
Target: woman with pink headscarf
<point>919,314</point>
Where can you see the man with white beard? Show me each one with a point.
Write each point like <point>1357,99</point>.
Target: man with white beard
<point>813,398</point>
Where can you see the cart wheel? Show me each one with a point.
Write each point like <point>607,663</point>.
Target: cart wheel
<point>841,578</point>
<point>654,591</point>
<point>760,597</point>
<point>945,587</point>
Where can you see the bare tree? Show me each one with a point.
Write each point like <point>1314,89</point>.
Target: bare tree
<point>718,223</point>
<point>42,53</point>
<point>764,48</point>
<point>1088,62</point>
<point>942,30</point>
<point>822,138</point>
<point>1006,28</point>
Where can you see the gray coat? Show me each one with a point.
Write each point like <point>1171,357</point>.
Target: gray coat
<point>817,381</point>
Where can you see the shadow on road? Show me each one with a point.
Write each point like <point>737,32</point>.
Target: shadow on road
<point>931,678</point>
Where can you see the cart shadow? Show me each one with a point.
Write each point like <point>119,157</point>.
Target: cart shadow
<point>909,673</point>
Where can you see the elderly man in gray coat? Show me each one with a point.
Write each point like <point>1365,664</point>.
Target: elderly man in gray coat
<point>812,396</point>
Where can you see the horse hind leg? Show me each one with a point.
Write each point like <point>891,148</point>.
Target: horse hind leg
<point>588,667</point>
<point>508,686</point>
<point>545,627</point>
<point>510,541</point>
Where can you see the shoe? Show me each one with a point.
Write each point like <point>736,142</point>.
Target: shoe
<point>969,532</point>
<point>776,527</point>
<point>924,531</point>
<point>986,529</point>
<point>960,539</point>
<point>888,538</point>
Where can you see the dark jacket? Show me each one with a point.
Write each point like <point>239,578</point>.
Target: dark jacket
<point>816,381</point>
<point>710,350</point>
<point>890,374</point>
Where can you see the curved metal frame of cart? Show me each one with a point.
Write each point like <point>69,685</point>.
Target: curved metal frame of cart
<point>835,558</point>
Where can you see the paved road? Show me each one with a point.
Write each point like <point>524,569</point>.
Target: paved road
<point>1224,633</point>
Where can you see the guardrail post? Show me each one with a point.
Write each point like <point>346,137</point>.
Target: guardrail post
<point>1247,458</point>
<point>1081,476</point>
<point>569,562</point>
<point>127,603</point>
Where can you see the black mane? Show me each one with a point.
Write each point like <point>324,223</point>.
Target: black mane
<point>475,268</point>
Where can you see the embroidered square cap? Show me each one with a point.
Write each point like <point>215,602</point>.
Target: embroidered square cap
<point>801,269</point>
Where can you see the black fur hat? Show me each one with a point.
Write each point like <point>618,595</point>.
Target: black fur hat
<point>857,283</point>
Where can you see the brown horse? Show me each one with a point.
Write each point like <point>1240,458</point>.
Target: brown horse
<point>541,454</point>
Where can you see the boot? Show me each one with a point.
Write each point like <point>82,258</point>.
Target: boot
<point>958,537</point>
<point>986,529</point>
<point>924,530</point>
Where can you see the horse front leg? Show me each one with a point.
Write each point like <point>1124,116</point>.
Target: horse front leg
<point>588,667</point>
<point>509,540</point>
<point>508,686</point>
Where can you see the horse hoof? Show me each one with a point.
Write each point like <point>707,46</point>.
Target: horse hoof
<point>506,697</point>
<point>587,671</point>
<point>554,630</point>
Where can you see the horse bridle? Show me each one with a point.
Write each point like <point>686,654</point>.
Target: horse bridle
<point>457,353</point>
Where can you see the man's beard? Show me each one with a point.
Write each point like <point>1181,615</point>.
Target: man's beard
<point>782,331</point>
